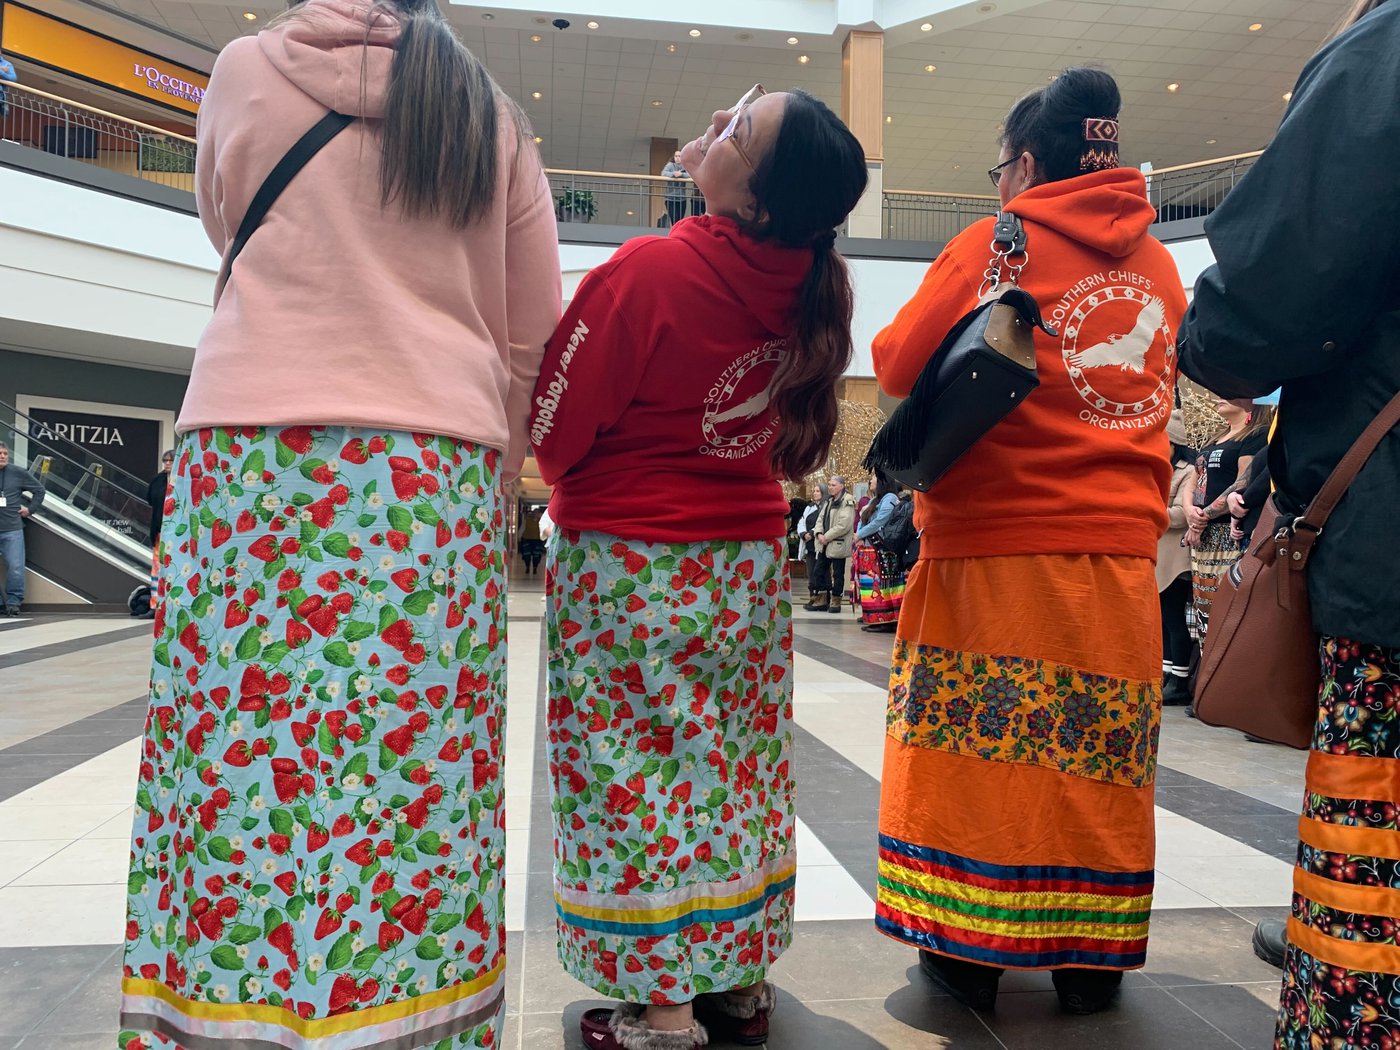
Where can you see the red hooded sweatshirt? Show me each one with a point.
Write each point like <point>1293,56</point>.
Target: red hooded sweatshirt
<point>1081,467</point>
<point>652,417</point>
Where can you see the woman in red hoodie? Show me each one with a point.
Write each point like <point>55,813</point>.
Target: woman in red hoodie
<point>1016,805</point>
<point>689,373</point>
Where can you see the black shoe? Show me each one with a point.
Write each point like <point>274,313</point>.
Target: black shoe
<point>971,984</point>
<point>12,610</point>
<point>1270,941</point>
<point>1176,693</point>
<point>1084,992</point>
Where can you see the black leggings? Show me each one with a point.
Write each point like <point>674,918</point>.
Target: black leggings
<point>831,576</point>
<point>1176,638</point>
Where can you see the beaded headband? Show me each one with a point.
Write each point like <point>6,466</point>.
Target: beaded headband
<point>1101,144</point>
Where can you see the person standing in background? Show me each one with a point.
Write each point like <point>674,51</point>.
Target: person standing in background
<point>677,188</point>
<point>15,482</point>
<point>806,534</point>
<point>324,737</point>
<point>1174,571</point>
<point>156,492</point>
<point>836,526</point>
<point>7,75</point>
<point>1327,330</point>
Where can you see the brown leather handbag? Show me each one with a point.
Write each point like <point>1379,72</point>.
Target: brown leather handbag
<point>1260,671</point>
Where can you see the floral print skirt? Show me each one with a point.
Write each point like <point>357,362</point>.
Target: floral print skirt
<point>670,758</point>
<point>1016,808</point>
<point>1341,973</point>
<point>319,835</point>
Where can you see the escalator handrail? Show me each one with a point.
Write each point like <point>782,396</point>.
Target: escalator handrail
<point>138,487</point>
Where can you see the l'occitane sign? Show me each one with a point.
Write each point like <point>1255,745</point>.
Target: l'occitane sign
<point>71,49</point>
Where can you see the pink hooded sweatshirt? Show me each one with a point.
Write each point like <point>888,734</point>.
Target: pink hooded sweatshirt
<point>339,311</point>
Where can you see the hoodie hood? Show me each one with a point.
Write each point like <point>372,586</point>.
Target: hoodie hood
<point>763,275</point>
<point>324,51</point>
<point>1107,210</point>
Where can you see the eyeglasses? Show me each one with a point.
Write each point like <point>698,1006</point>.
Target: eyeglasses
<point>750,95</point>
<point>995,173</point>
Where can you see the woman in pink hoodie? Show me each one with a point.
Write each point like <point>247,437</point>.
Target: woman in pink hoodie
<point>319,834</point>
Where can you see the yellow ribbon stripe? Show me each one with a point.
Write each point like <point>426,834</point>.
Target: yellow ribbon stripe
<point>649,916</point>
<point>313,1028</point>
<point>1013,899</point>
<point>1092,931</point>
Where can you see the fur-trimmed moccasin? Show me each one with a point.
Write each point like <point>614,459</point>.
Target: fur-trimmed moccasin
<point>741,1019</point>
<point>625,1028</point>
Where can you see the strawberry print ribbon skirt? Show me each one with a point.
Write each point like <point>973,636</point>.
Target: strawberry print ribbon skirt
<point>319,833</point>
<point>670,757</point>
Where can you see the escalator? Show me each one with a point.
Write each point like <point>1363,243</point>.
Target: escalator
<point>87,544</point>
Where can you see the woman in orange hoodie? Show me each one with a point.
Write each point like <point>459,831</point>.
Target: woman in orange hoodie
<point>1016,814</point>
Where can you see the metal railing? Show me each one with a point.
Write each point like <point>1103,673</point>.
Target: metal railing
<point>1190,191</point>
<point>105,140</point>
<point>910,215</point>
<point>71,129</point>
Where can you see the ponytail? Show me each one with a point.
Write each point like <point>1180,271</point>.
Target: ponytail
<point>804,386</point>
<point>440,116</point>
<point>803,212</point>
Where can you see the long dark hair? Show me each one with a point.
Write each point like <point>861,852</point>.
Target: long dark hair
<point>805,187</point>
<point>441,114</point>
<point>1049,124</point>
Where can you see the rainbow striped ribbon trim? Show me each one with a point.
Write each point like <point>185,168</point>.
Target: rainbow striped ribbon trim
<point>1027,917</point>
<point>659,914</point>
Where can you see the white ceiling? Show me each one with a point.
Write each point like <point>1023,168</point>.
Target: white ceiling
<point>597,90</point>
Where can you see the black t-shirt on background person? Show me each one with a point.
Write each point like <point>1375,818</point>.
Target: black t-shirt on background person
<point>1256,493</point>
<point>1222,465</point>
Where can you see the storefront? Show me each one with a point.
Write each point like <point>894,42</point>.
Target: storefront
<point>88,67</point>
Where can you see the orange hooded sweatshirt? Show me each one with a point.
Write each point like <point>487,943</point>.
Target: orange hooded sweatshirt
<point>1081,467</point>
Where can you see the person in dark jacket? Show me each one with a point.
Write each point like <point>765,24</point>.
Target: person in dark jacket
<point>15,509</point>
<point>155,495</point>
<point>1305,294</point>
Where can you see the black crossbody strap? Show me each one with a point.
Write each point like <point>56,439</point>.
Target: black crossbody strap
<point>325,129</point>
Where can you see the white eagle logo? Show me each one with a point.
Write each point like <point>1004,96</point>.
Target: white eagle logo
<point>1126,352</point>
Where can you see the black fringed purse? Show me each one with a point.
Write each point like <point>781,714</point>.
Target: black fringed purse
<point>982,370</point>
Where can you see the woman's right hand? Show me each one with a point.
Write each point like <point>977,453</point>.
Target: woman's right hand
<point>1235,501</point>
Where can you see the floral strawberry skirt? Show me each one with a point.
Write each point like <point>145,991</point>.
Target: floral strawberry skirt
<point>1341,973</point>
<point>319,835</point>
<point>670,757</point>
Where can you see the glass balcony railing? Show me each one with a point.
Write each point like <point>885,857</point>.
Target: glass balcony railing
<point>70,129</point>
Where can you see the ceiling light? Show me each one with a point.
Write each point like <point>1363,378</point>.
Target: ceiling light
<point>249,16</point>
<point>792,40</point>
<point>1210,142</point>
<point>927,27</point>
<point>743,36</point>
<point>537,94</point>
<point>1288,96</point>
<point>1256,27</point>
<point>930,68</point>
<point>592,25</point>
<point>987,9</point>
<point>1173,87</point>
<point>488,16</point>
<point>538,140</point>
<point>535,38</point>
<point>889,120</point>
<point>957,167</point>
<point>695,32</point>
<point>631,213</point>
<point>657,103</point>
<point>671,48</point>
<point>803,59</point>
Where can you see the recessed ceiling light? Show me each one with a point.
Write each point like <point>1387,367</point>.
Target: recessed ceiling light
<point>592,25</point>
<point>537,94</point>
<point>889,120</point>
<point>792,40</point>
<point>488,16</point>
<point>1255,27</point>
<point>657,103</point>
<point>987,9</point>
<point>695,32</point>
<point>1288,96</point>
<point>930,68</point>
<point>535,38</point>
<point>671,48</point>
<point>743,36</point>
<point>1173,87</point>
<point>927,27</point>
<point>1210,142</point>
<point>248,16</point>
<point>538,140</point>
<point>631,213</point>
<point>803,59</point>
<point>957,167</point>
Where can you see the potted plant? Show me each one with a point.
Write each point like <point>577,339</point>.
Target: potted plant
<point>576,206</point>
